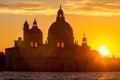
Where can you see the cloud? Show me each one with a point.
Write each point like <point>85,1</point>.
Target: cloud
<point>76,7</point>
<point>29,8</point>
<point>93,7</point>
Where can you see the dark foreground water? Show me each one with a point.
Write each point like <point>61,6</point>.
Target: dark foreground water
<point>59,76</point>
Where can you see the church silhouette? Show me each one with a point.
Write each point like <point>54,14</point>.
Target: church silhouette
<point>59,53</point>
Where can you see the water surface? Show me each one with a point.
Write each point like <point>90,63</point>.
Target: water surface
<point>59,75</point>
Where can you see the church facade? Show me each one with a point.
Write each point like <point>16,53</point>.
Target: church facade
<point>59,53</point>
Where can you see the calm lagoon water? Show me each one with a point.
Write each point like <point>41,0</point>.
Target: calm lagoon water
<point>59,75</point>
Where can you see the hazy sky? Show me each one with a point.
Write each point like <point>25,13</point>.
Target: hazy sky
<point>48,7</point>
<point>99,19</point>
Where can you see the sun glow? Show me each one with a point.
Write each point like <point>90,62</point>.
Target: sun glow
<point>103,50</point>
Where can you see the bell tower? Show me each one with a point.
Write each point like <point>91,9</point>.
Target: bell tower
<point>26,31</point>
<point>84,40</point>
<point>84,44</point>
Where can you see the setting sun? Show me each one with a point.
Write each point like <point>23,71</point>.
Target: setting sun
<point>103,50</point>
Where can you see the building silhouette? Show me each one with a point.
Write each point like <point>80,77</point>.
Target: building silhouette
<point>59,53</point>
<point>2,61</point>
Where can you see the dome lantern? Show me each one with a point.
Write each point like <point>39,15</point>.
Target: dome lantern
<point>60,16</point>
<point>35,23</point>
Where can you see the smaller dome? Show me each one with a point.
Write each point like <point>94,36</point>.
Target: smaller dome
<point>35,30</point>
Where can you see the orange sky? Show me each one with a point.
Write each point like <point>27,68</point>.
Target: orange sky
<point>100,21</point>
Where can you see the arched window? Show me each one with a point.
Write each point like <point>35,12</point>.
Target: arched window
<point>58,44</point>
<point>62,44</point>
<point>31,44</point>
<point>36,44</point>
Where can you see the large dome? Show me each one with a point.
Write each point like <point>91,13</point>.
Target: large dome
<point>60,32</point>
<point>61,28</point>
